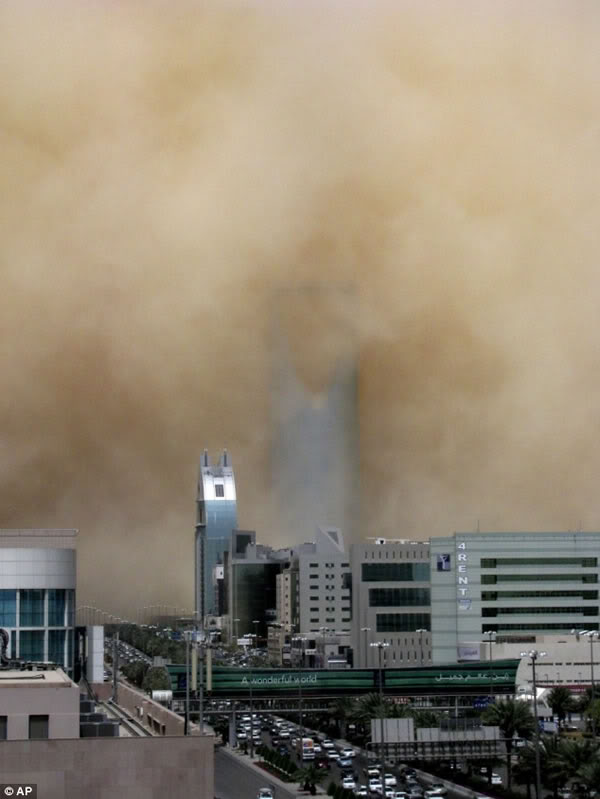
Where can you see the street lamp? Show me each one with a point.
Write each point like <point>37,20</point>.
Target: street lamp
<point>256,622</point>
<point>490,638</point>
<point>421,632</point>
<point>366,631</point>
<point>235,628</point>
<point>381,645</point>
<point>591,635</point>
<point>533,654</point>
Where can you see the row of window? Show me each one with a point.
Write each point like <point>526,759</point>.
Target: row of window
<point>396,597</point>
<point>329,565</point>
<point>329,621</point>
<point>31,645</point>
<point>38,727</point>
<point>492,596</point>
<point>33,604</point>
<point>493,563</point>
<point>402,622</point>
<point>542,610</point>
<point>395,572</point>
<point>538,627</point>
<point>492,579</point>
<point>380,551</point>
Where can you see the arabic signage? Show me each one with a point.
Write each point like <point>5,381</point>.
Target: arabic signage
<point>455,678</point>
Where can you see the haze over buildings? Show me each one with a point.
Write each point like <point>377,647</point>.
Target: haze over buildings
<point>165,171</point>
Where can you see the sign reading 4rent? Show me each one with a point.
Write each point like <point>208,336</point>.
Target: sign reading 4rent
<point>462,561</point>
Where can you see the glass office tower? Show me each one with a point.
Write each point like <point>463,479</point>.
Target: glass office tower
<point>216,518</point>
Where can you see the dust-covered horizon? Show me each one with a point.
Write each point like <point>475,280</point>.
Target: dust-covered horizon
<point>167,168</point>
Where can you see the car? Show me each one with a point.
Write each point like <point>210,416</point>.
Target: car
<point>345,762</point>
<point>333,754</point>
<point>264,793</point>
<point>496,779</point>
<point>372,771</point>
<point>275,741</point>
<point>436,789</point>
<point>241,735</point>
<point>347,751</point>
<point>415,792</point>
<point>321,762</point>
<point>408,771</point>
<point>327,744</point>
<point>348,782</point>
<point>374,785</point>
<point>389,780</point>
<point>361,790</point>
<point>284,734</point>
<point>317,749</point>
<point>399,795</point>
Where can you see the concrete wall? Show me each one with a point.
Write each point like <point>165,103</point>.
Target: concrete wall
<point>159,718</point>
<point>59,700</point>
<point>97,768</point>
<point>95,653</point>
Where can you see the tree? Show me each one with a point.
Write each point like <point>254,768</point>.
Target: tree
<point>513,718</point>
<point>566,757</point>
<point>590,775</point>
<point>156,679</point>
<point>425,718</point>
<point>593,712</point>
<point>342,710</point>
<point>310,776</point>
<point>561,701</point>
<point>524,769</point>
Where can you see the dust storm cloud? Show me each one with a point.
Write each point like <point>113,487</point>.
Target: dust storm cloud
<point>166,167</point>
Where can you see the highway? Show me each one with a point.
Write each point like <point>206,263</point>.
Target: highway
<point>235,780</point>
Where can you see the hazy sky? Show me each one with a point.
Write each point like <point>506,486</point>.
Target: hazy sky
<point>166,166</point>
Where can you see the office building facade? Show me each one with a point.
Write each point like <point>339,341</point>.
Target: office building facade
<point>391,602</point>
<point>511,585</point>
<point>38,572</point>
<point>216,518</point>
<point>314,410</point>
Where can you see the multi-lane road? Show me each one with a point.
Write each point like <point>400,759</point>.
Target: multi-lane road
<point>234,779</point>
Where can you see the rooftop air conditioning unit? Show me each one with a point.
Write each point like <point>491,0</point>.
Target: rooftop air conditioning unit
<point>380,541</point>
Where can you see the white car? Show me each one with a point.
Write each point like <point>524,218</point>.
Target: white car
<point>347,751</point>
<point>327,744</point>
<point>317,749</point>
<point>348,782</point>
<point>390,781</point>
<point>437,789</point>
<point>374,785</point>
<point>496,779</point>
<point>361,790</point>
<point>399,795</point>
<point>333,754</point>
<point>264,793</point>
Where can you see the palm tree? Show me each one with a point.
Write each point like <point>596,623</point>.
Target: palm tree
<point>513,718</point>
<point>343,709</point>
<point>310,776</point>
<point>524,770</point>
<point>566,757</point>
<point>590,775</point>
<point>424,718</point>
<point>561,701</point>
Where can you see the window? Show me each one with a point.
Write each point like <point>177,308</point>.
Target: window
<point>541,610</point>
<point>314,620</point>
<point>56,646</point>
<point>402,622</point>
<point>3,720</point>
<point>493,563</point>
<point>492,596</point>
<point>314,565</point>
<point>345,565</point>
<point>8,608</point>
<point>219,490</point>
<point>38,726</point>
<point>395,572</point>
<point>313,587</point>
<point>31,644</point>
<point>314,598</point>
<point>56,608</point>
<point>535,626</point>
<point>314,610</point>
<point>492,579</point>
<point>394,597</point>
<point>32,608</point>
<point>313,576</point>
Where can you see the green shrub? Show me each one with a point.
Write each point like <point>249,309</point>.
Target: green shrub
<point>331,788</point>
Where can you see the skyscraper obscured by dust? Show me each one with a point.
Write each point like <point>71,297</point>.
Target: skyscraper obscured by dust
<point>314,453</point>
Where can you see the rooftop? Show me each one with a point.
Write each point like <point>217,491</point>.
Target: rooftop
<point>29,679</point>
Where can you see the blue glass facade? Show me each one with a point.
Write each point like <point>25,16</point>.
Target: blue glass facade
<point>214,540</point>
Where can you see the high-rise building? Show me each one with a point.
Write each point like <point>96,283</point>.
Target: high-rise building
<point>314,458</point>
<point>216,518</point>
<point>511,587</point>
<point>37,594</point>
<point>391,601</point>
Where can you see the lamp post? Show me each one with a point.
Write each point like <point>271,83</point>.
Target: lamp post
<point>490,638</point>
<point>366,631</point>
<point>256,622</point>
<point>591,635</point>
<point>186,725</point>
<point>236,622</point>
<point>533,654</point>
<point>381,645</point>
<point>421,632</point>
